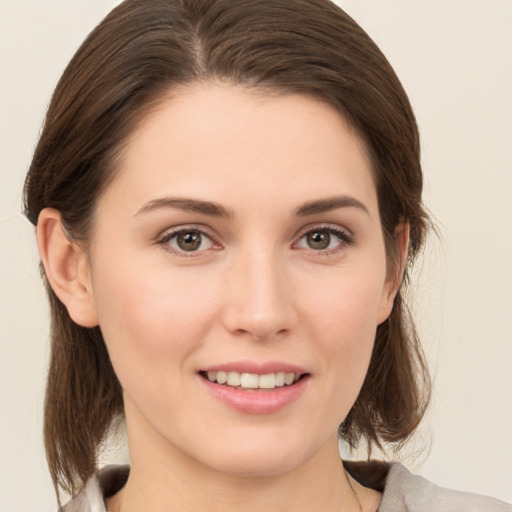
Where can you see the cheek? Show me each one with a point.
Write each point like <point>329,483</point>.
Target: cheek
<point>342,318</point>
<point>151,321</point>
<point>346,304</point>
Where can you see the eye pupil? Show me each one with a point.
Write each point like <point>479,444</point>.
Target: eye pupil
<point>319,240</point>
<point>189,241</point>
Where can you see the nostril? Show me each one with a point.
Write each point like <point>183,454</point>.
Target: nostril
<point>260,333</point>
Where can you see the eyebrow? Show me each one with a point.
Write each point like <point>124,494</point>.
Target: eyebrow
<point>216,210</point>
<point>329,204</point>
<point>188,205</point>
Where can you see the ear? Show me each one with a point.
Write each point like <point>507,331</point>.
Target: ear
<point>395,278</point>
<point>67,268</point>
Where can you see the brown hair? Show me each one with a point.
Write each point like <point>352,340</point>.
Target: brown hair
<point>125,66</point>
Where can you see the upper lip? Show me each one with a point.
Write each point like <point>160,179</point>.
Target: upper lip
<point>259,368</point>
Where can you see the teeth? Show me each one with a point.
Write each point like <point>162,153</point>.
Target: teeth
<point>253,380</point>
<point>249,380</point>
<point>234,379</point>
<point>267,381</point>
<point>289,378</point>
<point>280,378</point>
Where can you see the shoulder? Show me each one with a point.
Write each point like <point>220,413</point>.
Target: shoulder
<point>402,491</point>
<point>406,492</point>
<point>100,486</point>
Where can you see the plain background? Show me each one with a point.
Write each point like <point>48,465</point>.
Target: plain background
<point>454,58</point>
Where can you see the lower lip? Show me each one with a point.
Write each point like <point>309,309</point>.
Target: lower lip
<point>257,401</point>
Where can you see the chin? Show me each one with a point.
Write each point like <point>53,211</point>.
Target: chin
<point>260,456</point>
<point>263,466</point>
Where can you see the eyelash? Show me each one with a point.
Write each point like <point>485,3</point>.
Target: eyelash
<point>169,235</point>
<point>345,238</point>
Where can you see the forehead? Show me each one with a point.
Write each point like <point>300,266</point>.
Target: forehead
<point>228,142</point>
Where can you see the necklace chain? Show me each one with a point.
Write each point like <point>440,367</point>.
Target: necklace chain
<point>354,492</point>
<point>349,479</point>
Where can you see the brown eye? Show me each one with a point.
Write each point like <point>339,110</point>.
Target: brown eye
<point>188,240</point>
<point>318,240</point>
<point>325,239</point>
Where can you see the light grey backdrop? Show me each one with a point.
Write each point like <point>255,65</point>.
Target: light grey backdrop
<point>455,60</point>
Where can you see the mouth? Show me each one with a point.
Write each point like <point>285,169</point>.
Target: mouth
<point>253,388</point>
<point>253,381</point>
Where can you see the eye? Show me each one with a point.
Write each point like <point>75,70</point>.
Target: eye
<point>187,240</point>
<point>324,239</point>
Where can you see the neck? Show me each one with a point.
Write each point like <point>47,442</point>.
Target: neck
<point>164,477</point>
<point>165,482</point>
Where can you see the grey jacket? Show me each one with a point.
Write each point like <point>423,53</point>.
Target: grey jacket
<point>402,491</point>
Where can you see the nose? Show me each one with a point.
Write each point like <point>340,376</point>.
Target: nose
<point>259,298</point>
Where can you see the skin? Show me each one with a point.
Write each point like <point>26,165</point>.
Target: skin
<point>255,290</point>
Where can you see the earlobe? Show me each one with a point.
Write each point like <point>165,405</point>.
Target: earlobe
<point>395,278</point>
<point>67,269</point>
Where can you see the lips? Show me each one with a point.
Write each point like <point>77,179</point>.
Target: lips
<point>255,388</point>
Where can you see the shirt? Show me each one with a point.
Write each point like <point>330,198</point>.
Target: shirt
<point>402,491</point>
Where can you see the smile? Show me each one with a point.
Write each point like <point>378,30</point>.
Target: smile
<point>252,381</point>
<point>249,392</point>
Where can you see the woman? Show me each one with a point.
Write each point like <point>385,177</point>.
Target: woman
<point>227,198</point>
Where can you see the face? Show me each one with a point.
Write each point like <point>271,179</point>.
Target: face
<point>240,241</point>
